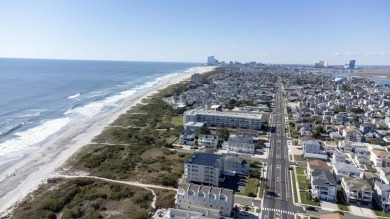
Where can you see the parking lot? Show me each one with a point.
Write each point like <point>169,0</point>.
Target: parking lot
<point>235,183</point>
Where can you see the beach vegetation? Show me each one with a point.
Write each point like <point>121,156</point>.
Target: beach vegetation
<point>85,198</point>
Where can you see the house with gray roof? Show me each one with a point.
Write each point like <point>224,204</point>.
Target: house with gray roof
<point>323,185</point>
<point>357,190</point>
<point>341,170</point>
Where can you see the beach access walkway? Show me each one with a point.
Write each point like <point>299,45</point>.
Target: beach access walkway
<point>149,187</point>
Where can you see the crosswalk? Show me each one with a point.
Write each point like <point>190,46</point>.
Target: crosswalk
<point>278,211</point>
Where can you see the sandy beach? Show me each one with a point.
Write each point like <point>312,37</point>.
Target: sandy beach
<point>24,176</point>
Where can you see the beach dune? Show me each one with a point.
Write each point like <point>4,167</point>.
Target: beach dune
<point>24,176</point>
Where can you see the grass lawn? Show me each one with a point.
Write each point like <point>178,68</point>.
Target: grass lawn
<point>251,188</point>
<point>177,120</point>
<point>303,182</point>
<point>294,187</point>
<point>300,170</point>
<point>307,201</point>
<point>340,202</point>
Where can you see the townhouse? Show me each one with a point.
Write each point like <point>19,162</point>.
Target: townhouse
<point>190,196</point>
<point>357,190</point>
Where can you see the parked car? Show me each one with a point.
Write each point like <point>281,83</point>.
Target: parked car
<point>310,208</point>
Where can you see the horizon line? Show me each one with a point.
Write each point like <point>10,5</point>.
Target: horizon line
<point>110,60</point>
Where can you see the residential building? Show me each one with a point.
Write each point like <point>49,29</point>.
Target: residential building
<point>236,163</point>
<point>323,185</point>
<point>384,175</point>
<point>357,190</point>
<point>313,165</point>
<point>382,195</point>
<point>193,127</point>
<point>311,147</point>
<point>203,168</point>
<point>341,170</point>
<point>352,134</point>
<point>338,157</point>
<point>330,146</point>
<point>208,141</point>
<point>187,139</point>
<point>191,195</point>
<point>239,144</point>
<point>224,119</point>
<point>197,78</point>
<point>380,158</point>
<point>365,128</point>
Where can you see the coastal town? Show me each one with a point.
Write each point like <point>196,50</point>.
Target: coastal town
<point>242,141</point>
<point>336,133</point>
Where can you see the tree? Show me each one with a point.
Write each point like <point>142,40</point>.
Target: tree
<point>223,133</point>
<point>317,131</point>
<point>204,130</point>
<point>357,110</point>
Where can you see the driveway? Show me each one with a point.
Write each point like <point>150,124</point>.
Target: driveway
<point>329,206</point>
<point>363,211</point>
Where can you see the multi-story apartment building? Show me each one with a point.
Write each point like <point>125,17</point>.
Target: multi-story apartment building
<point>208,141</point>
<point>224,119</point>
<point>190,195</point>
<point>203,168</point>
<point>323,185</point>
<point>357,190</point>
<point>380,158</point>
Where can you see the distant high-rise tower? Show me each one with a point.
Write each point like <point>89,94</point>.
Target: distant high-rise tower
<point>211,60</point>
<point>352,64</point>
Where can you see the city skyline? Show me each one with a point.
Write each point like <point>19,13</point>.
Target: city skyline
<point>266,32</point>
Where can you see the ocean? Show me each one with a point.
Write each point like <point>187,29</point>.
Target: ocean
<point>42,98</point>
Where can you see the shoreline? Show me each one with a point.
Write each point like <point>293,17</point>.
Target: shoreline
<point>25,175</point>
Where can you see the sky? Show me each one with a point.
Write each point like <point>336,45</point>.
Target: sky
<point>280,32</point>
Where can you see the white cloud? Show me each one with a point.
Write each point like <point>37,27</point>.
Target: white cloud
<point>384,54</point>
<point>337,54</point>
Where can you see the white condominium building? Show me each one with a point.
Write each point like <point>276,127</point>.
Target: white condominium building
<point>203,168</point>
<point>190,196</point>
<point>225,119</point>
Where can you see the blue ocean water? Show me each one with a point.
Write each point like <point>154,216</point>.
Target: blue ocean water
<point>39,98</point>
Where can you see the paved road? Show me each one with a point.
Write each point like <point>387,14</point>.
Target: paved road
<point>278,202</point>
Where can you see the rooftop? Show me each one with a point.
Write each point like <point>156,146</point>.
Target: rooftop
<point>224,114</point>
<point>205,159</point>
